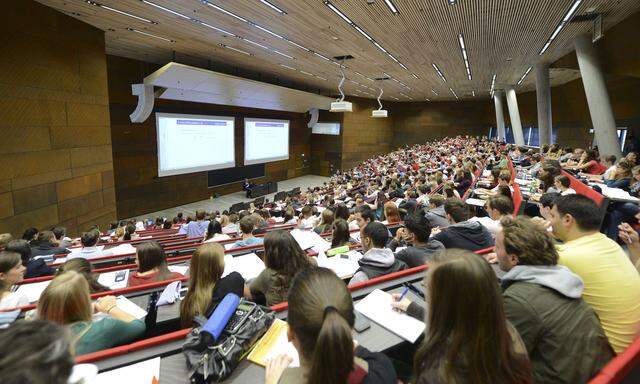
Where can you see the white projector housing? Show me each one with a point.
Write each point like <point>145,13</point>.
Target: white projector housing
<point>379,113</point>
<point>341,106</point>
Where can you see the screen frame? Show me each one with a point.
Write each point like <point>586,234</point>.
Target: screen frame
<point>202,168</point>
<point>269,159</point>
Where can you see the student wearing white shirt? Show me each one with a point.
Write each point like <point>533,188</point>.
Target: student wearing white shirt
<point>497,207</point>
<point>563,184</point>
<point>89,248</point>
<point>11,273</point>
<point>214,232</point>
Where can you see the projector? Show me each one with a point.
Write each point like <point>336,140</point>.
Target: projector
<point>341,106</point>
<point>379,113</point>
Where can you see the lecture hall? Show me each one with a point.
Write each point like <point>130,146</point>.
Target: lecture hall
<point>320,192</point>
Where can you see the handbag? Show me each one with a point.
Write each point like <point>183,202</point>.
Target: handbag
<point>214,362</point>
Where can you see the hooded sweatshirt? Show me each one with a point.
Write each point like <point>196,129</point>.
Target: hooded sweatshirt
<point>376,262</point>
<point>437,217</point>
<point>563,336</point>
<point>469,235</point>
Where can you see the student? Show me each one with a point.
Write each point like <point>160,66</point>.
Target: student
<point>611,282</point>
<point>66,301</point>
<point>60,234</point>
<point>248,239</point>
<point>214,232</point>
<point>35,267</point>
<point>46,244</point>
<point>5,238</point>
<point>468,338</point>
<point>320,322</point>
<point>363,215</point>
<point>416,232</point>
<point>283,258</point>
<point>307,218</point>
<point>232,226</point>
<point>11,273</point>
<point>391,213</point>
<point>622,176</point>
<point>340,234</point>
<point>89,241</point>
<point>436,216</point>
<point>325,223</point>
<point>462,233</point>
<point>152,265</point>
<point>84,268</point>
<point>563,184</point>
<point>30,234</point>
<point>377,260</point>
<point>543,301</point>
<point>195,228</point>
<point>130,233</point>
<point>207,287</point>
<point>40,353</point>
<point>497,207</point>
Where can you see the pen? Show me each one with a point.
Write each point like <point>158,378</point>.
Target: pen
<point>406,289</point>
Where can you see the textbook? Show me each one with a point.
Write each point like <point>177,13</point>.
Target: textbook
<point>377,307</point>
<point>273,344</point>
<point>248,266</point>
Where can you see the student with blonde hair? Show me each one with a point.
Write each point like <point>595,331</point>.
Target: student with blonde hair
<point>207,287</point>
<point>66,301</point>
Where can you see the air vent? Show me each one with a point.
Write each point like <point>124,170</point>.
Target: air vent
<point>345,57</point>
<point>382,78</point>
<point>584,17</point>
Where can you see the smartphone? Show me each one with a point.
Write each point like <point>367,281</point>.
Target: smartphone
<point>120,276</point>
<point>361,323</point>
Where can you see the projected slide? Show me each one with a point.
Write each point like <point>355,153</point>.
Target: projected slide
<point>192,143</point>
<point>265,140</point>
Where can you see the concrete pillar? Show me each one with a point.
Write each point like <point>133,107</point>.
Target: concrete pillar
<point>604,124</point>
<point>497,99</point>
<point>514,115</point>
<point>543,95</point>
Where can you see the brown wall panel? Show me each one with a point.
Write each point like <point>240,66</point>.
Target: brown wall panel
<point>55,122</point>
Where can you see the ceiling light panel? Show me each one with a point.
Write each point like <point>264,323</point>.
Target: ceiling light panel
<point>525,75</point>
<point>273,6</point>
<point>439,72</point>
<point>150,35</point>
<point>115,10</point>
<point>465,57</point>
<point>392,7</point>
<point>565,20</point>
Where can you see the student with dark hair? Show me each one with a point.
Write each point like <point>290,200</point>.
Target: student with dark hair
<point>168,224</point>
<point>35,267</point>
<point>321,320</point>
<point>90,249</point>
<point>207,287</point>
<point>84,268</point>
<point>40,353</point>
<point>611,282</point>
<point>468,339</point>
<point>152,265</point>
<point>543,301</point>
<point>11,273</point>
<point>340,234</point>
<point>283,258</point>
<point>195,228</point>
<point>436,216</point>
<point>247,226</point>
<point>377,259</point>
<point>61,237</point>
<point>46,244</point>
<point>30,234</point>
<point>462,233</point>
<point>364,215</point>
<point>129,233</point>
<point>497,207</point>
<point>563,184</point>
<point>214,232</point>
<point>415,234</point>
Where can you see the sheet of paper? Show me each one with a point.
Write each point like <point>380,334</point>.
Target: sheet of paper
<point>144,372</point>
<point>343,267</point>
<point>377,307</point>
<point>355,236</point>
<point>123,249</point>
<point>170,294</point>
<point>127,306</point>
<point>310,239</point>
<point>476,202</point>
<point>77,250</point>
<point>181,269</point>
<point>228,246</point>
<point>248,266</point>
<point>109,279</point>
<point>33,290</point>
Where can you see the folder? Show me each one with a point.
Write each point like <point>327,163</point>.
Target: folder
<point>273,344</point>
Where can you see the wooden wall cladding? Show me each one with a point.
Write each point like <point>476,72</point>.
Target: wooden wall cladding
<point>139,190</point>
<point>326,150</point>
<point>56,162</point>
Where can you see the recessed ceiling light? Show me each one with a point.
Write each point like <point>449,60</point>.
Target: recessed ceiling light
<point>439,72</point>
<point>108,8</point>
<point>150,35</point>
<point>171,11</point>
<point>235,49</point>
<point>525,75</point>
<point>567,17</point>
<point>454,93</point>
<point>391,6</point>
<point>463,48</point>
<point>272,6</point>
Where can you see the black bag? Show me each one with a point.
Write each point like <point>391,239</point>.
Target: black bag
<point>214,363</point>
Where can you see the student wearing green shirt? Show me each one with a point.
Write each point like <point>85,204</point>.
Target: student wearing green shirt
<point>66,301</point>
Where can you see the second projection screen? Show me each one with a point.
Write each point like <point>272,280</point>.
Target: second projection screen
<point>265,140</point>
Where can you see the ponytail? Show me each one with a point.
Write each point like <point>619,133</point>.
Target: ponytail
<point>332,359</point>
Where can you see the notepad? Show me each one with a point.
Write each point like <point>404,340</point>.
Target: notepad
<point>476,202</point>
<point>125,305</point>
<point>33,290</point>
<point>343,267</point>
<point>377,307</point>
<point>109,279</point>
<point>273,344</point>
<point>181,269</point>
<point>248,266</point>
<point>144,372</point>
<point>310,240</point>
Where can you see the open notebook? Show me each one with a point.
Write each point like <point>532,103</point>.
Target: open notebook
<point>377,307</point>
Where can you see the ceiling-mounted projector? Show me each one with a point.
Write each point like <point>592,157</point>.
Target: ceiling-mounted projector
<point>341,106</point>
<point>379,113</point>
